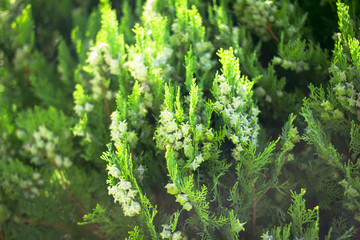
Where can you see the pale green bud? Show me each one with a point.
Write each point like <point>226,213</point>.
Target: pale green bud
<point>34,190</point>
<point>165,234</point>
<point>140,172</point>
<point>114,171</point>
<point>134,209</point>
<point>58,160</point>
<point>343,76</point>
<point>182,198</point>
<point>218,106</point>
<point>194,165</point>
<point>327,106</point>
<point>239,226</point>
<point>124,185</point>
<point>185,128</point>
<point>188,149</point>
<point>268,98</point>
<point>187,206</point>
<point>351,192</point>
<point>277,60</point>
<point>172,189</point>
<point>325,116</point>
<point>88,107</point>
<point>209,135</point>
<point>266,236</point>
<point>67,163</point>
<point>36,176</point>
<point>131,193</point>
<point>339,90</point>
<point>49,147</point>
<point>176,235</point>
<point>171,126</point>
<point>223,100</point>
<point>337,114</point>
<point>287,64</point>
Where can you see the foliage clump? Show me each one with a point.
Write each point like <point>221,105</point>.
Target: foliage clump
<point>179,120</point>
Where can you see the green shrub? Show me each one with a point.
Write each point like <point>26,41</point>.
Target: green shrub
<point>179,119</point>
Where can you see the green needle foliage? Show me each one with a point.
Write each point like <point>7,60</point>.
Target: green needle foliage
<point>179,119</point>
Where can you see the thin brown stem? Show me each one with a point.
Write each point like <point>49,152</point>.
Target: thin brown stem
<point>262,195</point>
<point>44,224</point>
<point>106,102</point>
<point>192,175</point>
<point>253,219</point>
<point>271,32</point>
<point>277,109</point>
<point>107,105</point>
<point>38,223</point>
<point>27,74</point>
<point>71,196</point>
<point>2,235</point>
<point>256,200</point>
<point>347,121</point>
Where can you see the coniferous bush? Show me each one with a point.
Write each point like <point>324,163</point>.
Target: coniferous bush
<point>179,119</point>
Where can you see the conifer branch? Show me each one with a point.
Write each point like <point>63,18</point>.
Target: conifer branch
<point>160,107</point>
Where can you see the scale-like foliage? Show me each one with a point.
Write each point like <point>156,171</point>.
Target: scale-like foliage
<point>192,110</point>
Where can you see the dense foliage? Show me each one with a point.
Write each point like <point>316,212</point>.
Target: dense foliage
<point>179,119</point>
